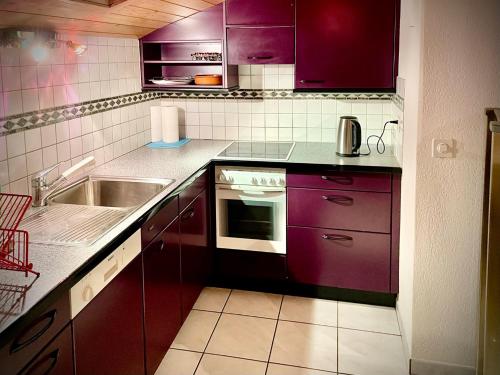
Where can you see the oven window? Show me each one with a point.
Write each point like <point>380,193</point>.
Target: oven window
<point>250,219</point>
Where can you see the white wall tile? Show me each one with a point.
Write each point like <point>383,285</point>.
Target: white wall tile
<point>11,78</point>
<point>29,77</point>
<point>17,167</point>
<point>49,156</point>
<point>30,100</point>
<point>33,139</point>
<point>34,161</point>
<point>12,102</point>
<point>15,145</point>
<point>3,148</point>
<point>46,97</point>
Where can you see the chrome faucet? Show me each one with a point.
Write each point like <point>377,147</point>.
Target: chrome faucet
<point>41,189</point>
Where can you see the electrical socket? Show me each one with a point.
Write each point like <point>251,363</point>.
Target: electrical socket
<point>443,148</point>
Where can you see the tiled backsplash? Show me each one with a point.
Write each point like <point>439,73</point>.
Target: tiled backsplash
<point>109,67</point>
<point>40,136</point>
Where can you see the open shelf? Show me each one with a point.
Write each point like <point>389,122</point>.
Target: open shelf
<point>182,87</point>
<point>183,62</point>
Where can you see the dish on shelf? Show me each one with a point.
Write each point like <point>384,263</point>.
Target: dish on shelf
<point>172,81</point>
<point>206,56</point>
<point>208,79</point>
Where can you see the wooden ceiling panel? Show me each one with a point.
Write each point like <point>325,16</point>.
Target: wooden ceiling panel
<point>122,18</point>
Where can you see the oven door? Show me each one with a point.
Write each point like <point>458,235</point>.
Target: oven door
<point>251,218</point>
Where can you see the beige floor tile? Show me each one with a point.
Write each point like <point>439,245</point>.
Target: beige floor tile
<point>178,362</point>
<point>244,302</point>
<point>309,310</point>
<point>305,345</point>
<point>275,369</point>
<point>368,353</point>
<point>196,331</point>
<point>212,299</point>
<point>243,337</point>
<point>218,365</point>
<point>368,318</point>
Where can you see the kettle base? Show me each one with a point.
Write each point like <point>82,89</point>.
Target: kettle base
<point>347,155</point>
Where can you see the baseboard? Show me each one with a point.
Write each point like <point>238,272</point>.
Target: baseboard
<point>406,348</point>
<point>422,367</point>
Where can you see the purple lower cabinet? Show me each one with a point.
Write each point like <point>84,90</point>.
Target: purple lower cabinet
<point>196,257</point>
<point>162,295</point>
<point>267,45</point>
<point>395,227</point>
<point>108,332</point>
<point>377,182</point>
<point>55,359</point>
<point>342,259</point>
<point>260,12</point>
<point>346,44</point>
<point>350,210</point>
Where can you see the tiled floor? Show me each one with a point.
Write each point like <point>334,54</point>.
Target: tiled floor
<point>235,332</point>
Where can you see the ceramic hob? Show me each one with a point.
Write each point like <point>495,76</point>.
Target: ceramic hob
<point>277,151</point>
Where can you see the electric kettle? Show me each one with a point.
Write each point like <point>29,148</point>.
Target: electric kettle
<point>348,136</point>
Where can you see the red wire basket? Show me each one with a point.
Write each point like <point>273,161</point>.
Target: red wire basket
<point>14,242</point>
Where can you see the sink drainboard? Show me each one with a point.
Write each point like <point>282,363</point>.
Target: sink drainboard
<point>72,225</point>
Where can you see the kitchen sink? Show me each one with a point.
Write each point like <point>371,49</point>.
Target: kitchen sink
<point>109,192</point>
<point>82,212</point>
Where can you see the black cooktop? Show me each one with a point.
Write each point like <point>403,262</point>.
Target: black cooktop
<point>258,150</point>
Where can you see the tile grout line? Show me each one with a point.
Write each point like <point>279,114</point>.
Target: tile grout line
<point>215,326</point>
<point>274,334</point>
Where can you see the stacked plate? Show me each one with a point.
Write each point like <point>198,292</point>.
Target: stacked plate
<point>172,81</point>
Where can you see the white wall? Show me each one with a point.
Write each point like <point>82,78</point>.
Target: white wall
<point>460,76</point>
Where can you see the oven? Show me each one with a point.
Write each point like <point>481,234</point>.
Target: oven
<point>251,209</point>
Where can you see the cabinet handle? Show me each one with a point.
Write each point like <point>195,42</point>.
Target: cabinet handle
<point>341,180</point>
<point>336,237</point>
<point>260,57</point>
<point>312,81</point>
<point>151,227</point>
<point>111,271</point>
<point>339,199</point>
<point>52,356</point>
<point>19,343</point>
<point>162,246</point>
<point>188,214</point>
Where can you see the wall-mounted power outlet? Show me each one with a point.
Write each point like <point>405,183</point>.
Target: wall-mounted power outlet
<point>443,148</point>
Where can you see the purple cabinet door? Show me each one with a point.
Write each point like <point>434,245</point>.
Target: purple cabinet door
<point>345,44</point>
<point>342,259</point>
<point>269,45</point>
<point>108,332</point>
<point>260,12</point>
<point>162,295</point>
<point>380,182</point>
<point>55,359</point>
<point>196,257</point>
<point>351,210</point>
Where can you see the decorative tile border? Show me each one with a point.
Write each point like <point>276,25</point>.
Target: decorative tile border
<point>399,101</point>
<point>30,120</point>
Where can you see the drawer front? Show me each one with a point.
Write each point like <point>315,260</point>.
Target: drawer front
<point>260,45</point>
<point>351,210</point>
<point>193,189</point>
<point>34,336</point>
<point>379,182</point>
<point>342,259</point>
<point>56,358</point>
<point>159,221</point>
<point>260,12</point>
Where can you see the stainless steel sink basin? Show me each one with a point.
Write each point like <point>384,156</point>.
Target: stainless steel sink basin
<point>85,210</point>
<point>110,191</point>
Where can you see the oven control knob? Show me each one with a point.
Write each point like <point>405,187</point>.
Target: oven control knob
<point>254,181</point>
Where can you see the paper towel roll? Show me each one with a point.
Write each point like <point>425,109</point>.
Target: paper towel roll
<point>170,124</point>
<point>156,128</point>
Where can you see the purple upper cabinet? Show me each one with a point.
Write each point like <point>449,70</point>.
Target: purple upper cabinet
<point>260,12</point>
<point>346,45</point>
<point>267,45</point>
<point>206,25</point>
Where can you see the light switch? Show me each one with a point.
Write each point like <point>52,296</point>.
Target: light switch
<point>443,148</point>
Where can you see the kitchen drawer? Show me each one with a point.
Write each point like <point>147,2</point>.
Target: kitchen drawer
<point>260,12</point>
<point>193,187</point>
<point>380,182</point>
<point>34,335</point>
<point>342,259</point>
<point>55,359</point>
<point>351,210</point>
<point>270,45</point>
<point>156,224</point>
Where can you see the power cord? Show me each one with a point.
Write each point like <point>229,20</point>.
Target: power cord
<point>380,142</point>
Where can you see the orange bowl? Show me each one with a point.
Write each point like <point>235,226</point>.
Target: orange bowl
<point>208,79</point>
